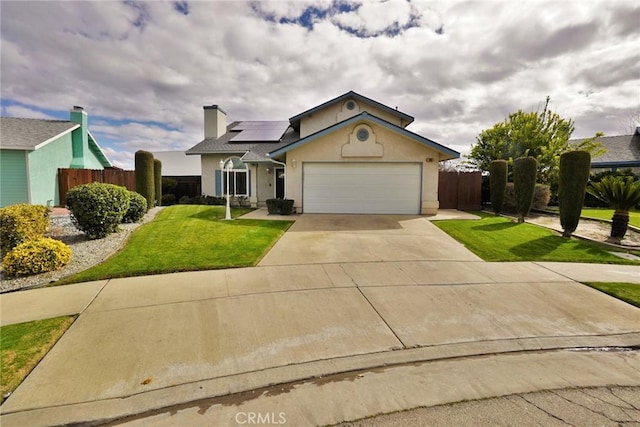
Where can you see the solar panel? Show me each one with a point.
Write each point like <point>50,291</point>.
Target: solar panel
<point>260,131</point>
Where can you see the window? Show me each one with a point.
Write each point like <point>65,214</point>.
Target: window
<point>238,179</point>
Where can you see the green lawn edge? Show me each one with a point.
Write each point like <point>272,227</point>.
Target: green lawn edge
<point>627,292</point>
<point>24,345</point>
<point>499,239</point>
<point>185,238</point>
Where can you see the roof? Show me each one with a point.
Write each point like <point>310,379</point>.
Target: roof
<point>177,163</point>
<point>252,151</point>
<point>30,134</point>
<point>97,150</point>
<point>622,151</point>
<point>364,116</point>
<point>295,120</point>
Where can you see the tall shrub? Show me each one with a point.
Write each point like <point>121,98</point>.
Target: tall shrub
<point>157,177</point>
<point>524,184</point>
<point>574,174</point>
<point>97,209</point>
<point>145,182</point>
<point>497,184</point>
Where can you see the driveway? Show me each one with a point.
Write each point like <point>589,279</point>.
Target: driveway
<point>325,239</point>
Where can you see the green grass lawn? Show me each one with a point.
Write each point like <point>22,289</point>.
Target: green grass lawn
<point>628,292</point>
<point>188,238</point>
<point>500,239</point>
<point>23,345</point>
<point>634,216</point>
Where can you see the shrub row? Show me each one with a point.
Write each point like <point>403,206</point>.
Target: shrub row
<point>541,197</point>
<point>234,201</point>
<point>280,206</point>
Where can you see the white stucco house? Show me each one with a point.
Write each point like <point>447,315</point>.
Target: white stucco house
<point>350,154</point>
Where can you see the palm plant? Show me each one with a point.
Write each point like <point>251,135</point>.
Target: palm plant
<point>621,194</point>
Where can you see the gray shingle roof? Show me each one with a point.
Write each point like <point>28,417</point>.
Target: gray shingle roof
<point>251,151</point>
<point>27,134</point>
<point>622,149</point>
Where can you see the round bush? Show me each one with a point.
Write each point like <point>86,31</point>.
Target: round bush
<point>137,208</point>
<point>22,222</point>
<point>36,256</point>
<point>168,199</point>
<point>98,209</point>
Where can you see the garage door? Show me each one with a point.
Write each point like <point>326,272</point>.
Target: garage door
<point>374,188</point>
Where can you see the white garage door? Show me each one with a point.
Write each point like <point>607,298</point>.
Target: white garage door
<point>373,188</point>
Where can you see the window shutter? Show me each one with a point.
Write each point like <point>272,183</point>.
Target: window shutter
<point>249,182</point>
<point>218,183</point>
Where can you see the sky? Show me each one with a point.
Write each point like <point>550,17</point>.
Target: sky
<point>143,70</point>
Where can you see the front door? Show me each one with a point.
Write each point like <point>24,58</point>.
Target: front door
<point>279,177</point>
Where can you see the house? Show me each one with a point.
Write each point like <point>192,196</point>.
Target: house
<point>350,154</point>
<point>623,152</point>
<point>185,170</point>
<point>32,150</point>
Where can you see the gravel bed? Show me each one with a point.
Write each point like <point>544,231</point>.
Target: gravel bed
<point>86,253</point>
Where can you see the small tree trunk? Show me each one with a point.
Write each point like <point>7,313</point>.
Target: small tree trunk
<point>619,224</point>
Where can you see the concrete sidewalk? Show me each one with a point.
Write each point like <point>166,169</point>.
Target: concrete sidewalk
<point>153,342</point>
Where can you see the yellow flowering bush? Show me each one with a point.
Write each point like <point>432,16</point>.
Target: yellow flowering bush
<point>22,222</point>
<point>36,256</point>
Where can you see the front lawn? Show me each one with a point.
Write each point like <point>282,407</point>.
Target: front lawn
<point>189,238</point>
<point>628,292</point>
<point>23,345</point>
<point>500,239</point>
<point>606,214</point>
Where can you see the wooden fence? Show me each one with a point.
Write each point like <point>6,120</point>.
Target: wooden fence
<point>460,190</point>
<point>69,178</point>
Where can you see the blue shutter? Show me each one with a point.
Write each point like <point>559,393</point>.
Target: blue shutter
<point>218,183</point>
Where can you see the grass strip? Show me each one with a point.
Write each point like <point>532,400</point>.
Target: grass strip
<point>23,345</point>
<point>627,292</point>
<point>189,238</point>
<point>495,238</point>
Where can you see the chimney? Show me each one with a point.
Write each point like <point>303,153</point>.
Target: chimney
<point>215,121</point>
<point>79,137</point>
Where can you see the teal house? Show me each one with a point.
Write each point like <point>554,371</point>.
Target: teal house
<point>32,150</point>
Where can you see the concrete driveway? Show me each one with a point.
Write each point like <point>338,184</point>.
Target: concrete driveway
<point>325,239</point>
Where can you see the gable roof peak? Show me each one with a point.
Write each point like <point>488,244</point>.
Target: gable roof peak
<point>295,120</point>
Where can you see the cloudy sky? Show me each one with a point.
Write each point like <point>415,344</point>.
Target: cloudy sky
<point>143,70</point>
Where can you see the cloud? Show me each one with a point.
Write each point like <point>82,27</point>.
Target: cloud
<point>143,70</point>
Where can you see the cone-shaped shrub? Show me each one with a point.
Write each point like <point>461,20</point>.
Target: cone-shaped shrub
<point>574,174</point>
<point>497,184</point>
<point>524,184</point>
<point>157,176</point>
<point>145,182</point>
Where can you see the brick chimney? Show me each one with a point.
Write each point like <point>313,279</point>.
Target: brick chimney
<point>215,121</point>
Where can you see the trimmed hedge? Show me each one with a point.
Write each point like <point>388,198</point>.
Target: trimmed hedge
<point>541,197</point>
<point>97,209</point>
<point>575,167</point>
<point>22,222</point>
<point>145,182</point>
<point>137,208</point>
<point>497,184</point>
<point>157,176</point>
<point>280,206</point>
<point>524,184</point>
<point>36,256</point>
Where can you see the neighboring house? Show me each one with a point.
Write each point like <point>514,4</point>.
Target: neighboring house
<point>623,152</point>
<point>32,150</point>
<point>348,155</point>
<point>184,169</point>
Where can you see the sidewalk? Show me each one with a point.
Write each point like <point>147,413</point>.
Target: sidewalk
<point>211,334</point>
